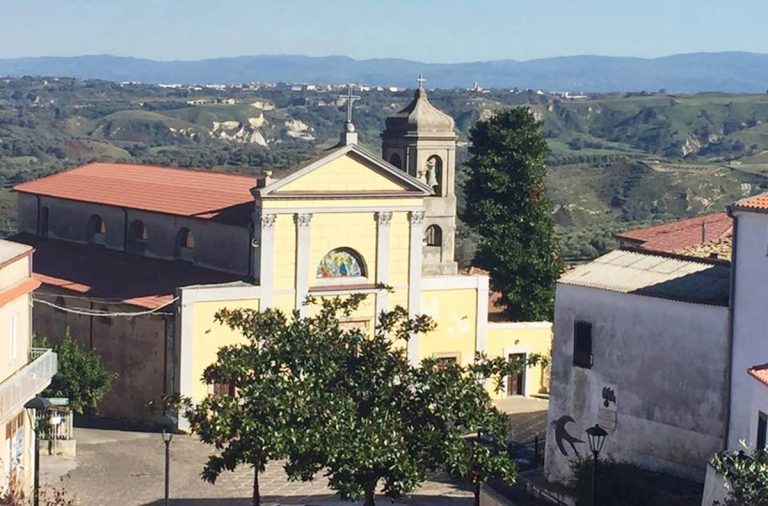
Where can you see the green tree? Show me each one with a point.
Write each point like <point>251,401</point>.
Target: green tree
<point>746,474</point>
<point>81,377</point>
<point>346,402</point>
<point>246,421</point>
<point>511,213</point>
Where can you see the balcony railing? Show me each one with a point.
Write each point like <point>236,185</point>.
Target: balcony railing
<point>28,381</point>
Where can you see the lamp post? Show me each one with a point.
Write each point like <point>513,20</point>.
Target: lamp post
<point>168,424</point>
<point>596,436</point>
<point>37,404</point>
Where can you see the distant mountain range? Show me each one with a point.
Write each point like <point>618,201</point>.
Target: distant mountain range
<point>688,73</point>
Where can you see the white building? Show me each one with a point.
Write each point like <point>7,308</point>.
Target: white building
<point>748,418</point>
<point>641,348</point>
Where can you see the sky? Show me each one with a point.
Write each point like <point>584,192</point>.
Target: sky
<point>432,31</point>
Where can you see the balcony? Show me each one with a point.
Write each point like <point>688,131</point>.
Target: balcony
<point>28,381</point>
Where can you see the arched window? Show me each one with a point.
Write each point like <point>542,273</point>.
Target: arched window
<point>435,174</point>
<point>97,230</point>
<point>137,237</point>
<point>138,231</point>
<point>341,263</point>
<point>395,160</point>
<point>433,236</point>
<point>185,245</point>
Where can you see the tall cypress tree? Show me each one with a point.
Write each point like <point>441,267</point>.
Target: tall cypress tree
<point>506,205</point>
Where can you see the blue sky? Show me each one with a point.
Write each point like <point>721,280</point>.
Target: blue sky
<point>425,30</point>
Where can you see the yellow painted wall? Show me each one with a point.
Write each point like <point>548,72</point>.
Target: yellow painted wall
<point>455,314</point>
<point>342,230</point>
<point>19,309</point>
<point>347,173</point>
<point>316,203</point>
<point>400,229</point>
<point>209,336</point>
<point>14,273</point>
<point>285,253</point>
<point>532,338</point>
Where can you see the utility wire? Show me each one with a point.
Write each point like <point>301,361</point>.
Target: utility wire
<point>107,314</point>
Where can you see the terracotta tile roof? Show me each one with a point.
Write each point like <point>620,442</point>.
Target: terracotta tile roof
<point>719,248</point>
<point>760,373</point>
<point>679,235</point>
<point>755,203</point>
<point>206,195</point>
<point>102,273</point>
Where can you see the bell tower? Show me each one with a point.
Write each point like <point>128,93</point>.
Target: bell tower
<point>421,140</point>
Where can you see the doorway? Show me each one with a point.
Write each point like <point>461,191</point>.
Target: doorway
<point>516,381</point>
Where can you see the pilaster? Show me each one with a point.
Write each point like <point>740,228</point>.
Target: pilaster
<point>416,246</point>
<point>267,258</point>
<point>383,248</point>
<point>303,238</point>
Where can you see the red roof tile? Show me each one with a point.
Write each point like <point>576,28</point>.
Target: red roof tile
<point>205,195</point>
<point>760,373</point>
<point>679,235</point>
<point>755,203</point>
<point>102,273</point>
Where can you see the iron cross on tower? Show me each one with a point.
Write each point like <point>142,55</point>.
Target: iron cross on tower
<point>351,99</point>
<point>421,80</point>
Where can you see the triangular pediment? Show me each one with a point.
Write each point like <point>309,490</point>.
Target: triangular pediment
<point>346,171</point>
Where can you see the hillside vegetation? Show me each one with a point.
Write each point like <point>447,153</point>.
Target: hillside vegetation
<point>617,160</point>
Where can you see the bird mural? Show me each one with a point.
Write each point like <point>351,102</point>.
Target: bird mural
<point>562,436</point>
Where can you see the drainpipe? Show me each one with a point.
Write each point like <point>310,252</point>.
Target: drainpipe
<point>125,230</point>
<point>731,306</point>
<point>37,227</point>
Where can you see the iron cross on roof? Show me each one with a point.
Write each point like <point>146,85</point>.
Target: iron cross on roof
<point>421,80</point>
<point>351,99</point>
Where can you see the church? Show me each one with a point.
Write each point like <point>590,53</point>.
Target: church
<point>135,260</point>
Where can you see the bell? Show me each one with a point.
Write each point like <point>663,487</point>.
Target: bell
<point>432,181</point>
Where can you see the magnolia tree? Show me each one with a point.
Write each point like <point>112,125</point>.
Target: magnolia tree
<point>345,403</point>
<point>746,476</point>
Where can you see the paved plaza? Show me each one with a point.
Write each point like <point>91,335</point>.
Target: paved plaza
<point>126,468</point>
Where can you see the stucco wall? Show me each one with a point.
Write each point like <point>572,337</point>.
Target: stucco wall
<point>666,362</point>
<point>750,325</point>
<point>138,349</point>
<point>455,315</point>
<point>531,338</point>
<point>218,246</point>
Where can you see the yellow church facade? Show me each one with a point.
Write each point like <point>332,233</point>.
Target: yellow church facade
<point>350,222</point>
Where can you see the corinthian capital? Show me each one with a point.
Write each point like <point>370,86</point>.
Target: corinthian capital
<point>416,217</point>
<point>268,220</point>
<point>302,219</point>
<point>384,218</point>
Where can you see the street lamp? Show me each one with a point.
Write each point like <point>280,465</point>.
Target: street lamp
<point>596,436</point>
<point>168,424</point>
<point>37,404</point>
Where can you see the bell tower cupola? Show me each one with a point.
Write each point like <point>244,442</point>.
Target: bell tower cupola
<point>421,140</point>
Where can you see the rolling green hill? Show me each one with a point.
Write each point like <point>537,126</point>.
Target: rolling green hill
<point>616,160</point>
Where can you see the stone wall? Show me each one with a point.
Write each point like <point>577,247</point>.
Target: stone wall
<point>139,349</point>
